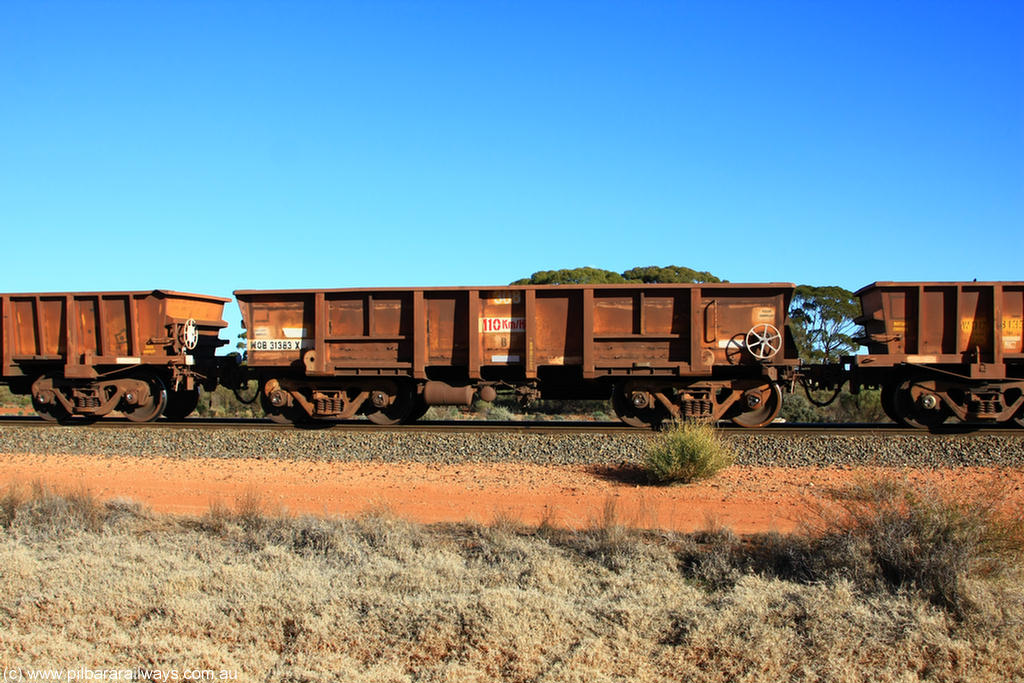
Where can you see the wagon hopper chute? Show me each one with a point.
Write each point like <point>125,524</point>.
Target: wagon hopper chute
<point>706,351</point>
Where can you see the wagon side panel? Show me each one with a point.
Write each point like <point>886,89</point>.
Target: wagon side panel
<point>446,328</point>
<point>365,331</point>
<point>1012,324</point>
<point>642,331</point>
<point>554,329</point>
<point>500,327</point>
<point>947,323</point>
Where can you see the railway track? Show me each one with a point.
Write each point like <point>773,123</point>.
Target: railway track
<point>471,426</point>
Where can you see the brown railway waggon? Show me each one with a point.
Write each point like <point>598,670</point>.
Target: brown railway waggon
<point>85,354</point>
<point>708,351</point>
<point>942,350</point>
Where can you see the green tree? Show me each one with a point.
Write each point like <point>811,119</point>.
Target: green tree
<point>573,276</point>
<point>822,321</point>
<point>600,276</point>
<point>653,274</point>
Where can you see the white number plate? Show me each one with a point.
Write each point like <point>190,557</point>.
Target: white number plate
<point>277,344</point>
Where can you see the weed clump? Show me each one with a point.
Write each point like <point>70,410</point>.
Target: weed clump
<point>686,452</point>
<point>923,540</point>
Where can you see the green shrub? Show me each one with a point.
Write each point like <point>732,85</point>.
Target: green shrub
<point>685,452</point>
<point>8,398</point>
<point>865,407</point>
<point>498,413</point>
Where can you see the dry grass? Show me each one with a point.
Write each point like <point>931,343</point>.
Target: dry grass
<point>380,599</point>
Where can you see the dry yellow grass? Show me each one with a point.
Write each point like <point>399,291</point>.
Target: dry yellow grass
<point>380,599</point>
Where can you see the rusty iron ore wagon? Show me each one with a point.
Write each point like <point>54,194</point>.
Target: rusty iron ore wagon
<point>938,350</point>
<point>707,351</point>
<point>144,353</point>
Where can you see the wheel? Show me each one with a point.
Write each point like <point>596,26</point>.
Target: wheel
<point>285,415</point>
<point>419,409</point>
<point>151,407</point>
<point>913,415</point>
<point>45,402</point>
<point>888,401</point>
<point>51,412</point>
<point>397,411</point>
<point>760,406</point>
<point>644,418</point>
<point>1018,418</point>
<point>181,404</point>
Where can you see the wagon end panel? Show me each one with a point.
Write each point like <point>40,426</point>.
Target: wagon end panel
<point>745,325</point>
<point>194,318</point>
<point>279,327</point>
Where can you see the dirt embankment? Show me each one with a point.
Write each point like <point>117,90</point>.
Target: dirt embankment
<point>747,499</point>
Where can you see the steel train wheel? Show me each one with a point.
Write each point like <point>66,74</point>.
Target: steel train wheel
<point>51,412</point>
<point>153,406</point>
<point>647,418</point>
<point>397,411</point>
<point>913,415</point>
<point>888,401</point>
<point>284,415</point>
<point>45,401</point>
<point>766,410</point>
<point>419,409</point>
<point>181,404</point>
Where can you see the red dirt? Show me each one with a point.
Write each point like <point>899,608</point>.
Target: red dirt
<point>745,499</point>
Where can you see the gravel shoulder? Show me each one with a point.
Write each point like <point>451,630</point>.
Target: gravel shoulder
<point>812,450</point>
<point>571,480</point>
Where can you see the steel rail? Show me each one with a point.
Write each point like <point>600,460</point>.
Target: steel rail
<point>469,426</point>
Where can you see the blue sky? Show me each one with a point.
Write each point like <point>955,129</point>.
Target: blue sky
<point>209,146</point>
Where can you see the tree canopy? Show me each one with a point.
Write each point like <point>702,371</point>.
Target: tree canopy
<point>651,274</point>
<point>572,276</point>
<point>645,274</point>
<point>821,319</point>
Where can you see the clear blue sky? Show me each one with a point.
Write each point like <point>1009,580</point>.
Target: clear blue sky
<point>209,146</point>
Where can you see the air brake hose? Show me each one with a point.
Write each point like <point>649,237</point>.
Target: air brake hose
<point>821,404</point>
<point>238,394</point>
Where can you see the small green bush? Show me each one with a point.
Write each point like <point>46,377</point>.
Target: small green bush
<point>498,413</point>
<point>685,452</point>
